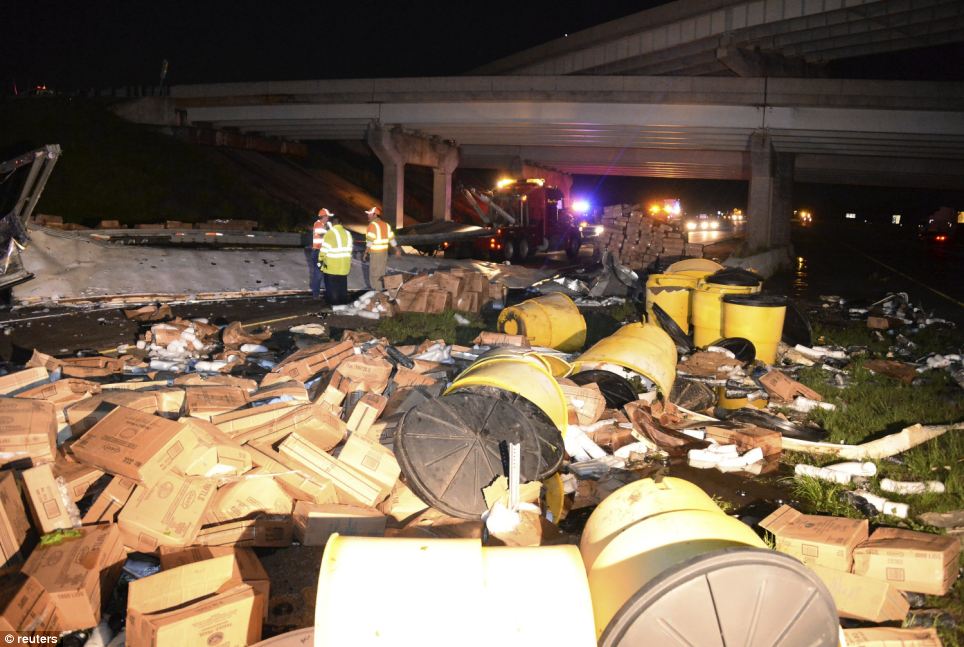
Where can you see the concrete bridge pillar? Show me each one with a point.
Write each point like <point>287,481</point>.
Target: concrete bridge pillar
<point>442,183</point>
<point>770,199</point>
<point>395,149</point>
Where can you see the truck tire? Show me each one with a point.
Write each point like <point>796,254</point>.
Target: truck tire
<point>524,250</point>
<point>573,243</point>
<point>508,249</point>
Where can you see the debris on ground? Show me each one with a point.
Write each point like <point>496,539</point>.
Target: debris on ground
<point>186,464</point>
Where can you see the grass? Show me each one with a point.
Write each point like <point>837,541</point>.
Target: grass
<point>416,327</point>
<point>112,169</point>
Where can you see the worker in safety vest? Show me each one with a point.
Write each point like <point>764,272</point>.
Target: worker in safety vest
<point>334,259</point>
<point>378,239</point>
<point>311,240</point>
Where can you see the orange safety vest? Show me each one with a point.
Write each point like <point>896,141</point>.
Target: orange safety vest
<point>317,234</point>
<point>379,236</point>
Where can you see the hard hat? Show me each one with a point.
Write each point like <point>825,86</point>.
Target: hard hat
<point>324,213</point>
<point>374,211</point>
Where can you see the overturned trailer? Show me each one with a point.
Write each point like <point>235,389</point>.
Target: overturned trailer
<point>23,181</point>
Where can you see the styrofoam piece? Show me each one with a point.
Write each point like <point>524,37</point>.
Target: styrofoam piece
<point>855,468</point>
<point>911,487</point>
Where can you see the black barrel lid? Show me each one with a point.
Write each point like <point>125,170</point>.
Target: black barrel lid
<point>735,276</point>
<point>616,389</point>
<point>759,300</point>
<point>730,596</point>
<point>448,449</point>
<point>683,342</point>
<point>741,347</point>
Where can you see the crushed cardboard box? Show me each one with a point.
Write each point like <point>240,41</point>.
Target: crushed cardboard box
<point>863,598</point>
<point>51,506</point>
<point>14,525</point>
<point>816,540</point>
<point>168,513</point>
<point>28,431</point>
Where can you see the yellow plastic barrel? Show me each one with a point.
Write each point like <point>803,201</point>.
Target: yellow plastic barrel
<point>667,566</point>
<point>707,314</point>
<point>672,293</point>
<point>695,266</point>
<point>528,375</point>
<point>378,591</point>
<point>645,349</point>
<point>552,321</point>
<point>757,317</point>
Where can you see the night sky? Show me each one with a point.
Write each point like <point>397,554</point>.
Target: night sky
<point>71,45</point>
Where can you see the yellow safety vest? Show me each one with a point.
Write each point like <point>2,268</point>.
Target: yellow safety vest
<point>335,253</point>
<point>379,236</point>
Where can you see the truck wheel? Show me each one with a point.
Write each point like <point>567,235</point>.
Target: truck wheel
<point>573,243</point>
<point>508,249</point>
<point>523,249</point>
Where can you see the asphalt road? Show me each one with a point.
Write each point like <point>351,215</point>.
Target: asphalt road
<point>863,262</point>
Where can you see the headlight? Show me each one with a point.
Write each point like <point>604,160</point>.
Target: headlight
<point>704,225</point>
<point>714,225</point>
<point>598,230</point>
<point>691,226</point>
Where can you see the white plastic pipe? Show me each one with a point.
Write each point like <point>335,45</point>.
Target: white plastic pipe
<point>886,507</point>
<point>911,487</point>
<point>822,473</point>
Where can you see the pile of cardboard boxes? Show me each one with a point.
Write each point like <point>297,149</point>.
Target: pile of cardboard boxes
<point>866,574</point>
<point>197,473</point>
<point>456,289</point>
<point>638,240</point>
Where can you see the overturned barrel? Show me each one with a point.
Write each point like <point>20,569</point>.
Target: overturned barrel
<point>667,566</point>
<point>644,349</point>
<point>708,296</point>
<point>757,317</point>
<point>529,375</point>
<point>552,321</point>
<point>452,588</point>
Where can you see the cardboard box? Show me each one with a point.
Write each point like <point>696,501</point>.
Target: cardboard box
<point>412,301</point>
<point>393,281</point>
<point>785,389</point>
<point>77,477</point>
<point>196,379</point>
<point>891,637</point>
<point>314,524</point>
<point>469,302</point>
<point>296,479</point>
<point>352,486</point>
<point>437,301</point>
<point>215,455</point>
<point>311,420</point>
<point>366,412</point>
<point>137,445</point>
<point>487,338</point>
<point>249,566</point>
<point>108,503</point>
<point>309,362</point>
<point>207,401</point>
<point>79,573</point>
<point>234,423</point>
<point>366,373</point>
<point>816,540</point>
<point>15,383</point>
<point>587,402</point>
<point>406,377</point>
<point>863,598</point>
<point>910,561</point>
<point>91,366</point>
<point>331,395</point>
<point>747,438</point>
<point>63,392</point>
<point>373,461</point>
<point>26,608</point>
<point>202,603</point>
<point>83,415</point>
<point>402,504</point>
<point>256,492</point>
<point>266,531</point>
<point>14,525</point>
<point>168,513</point>
<point>28,431</point>
<point>49,505</point>
<point>290,389</point>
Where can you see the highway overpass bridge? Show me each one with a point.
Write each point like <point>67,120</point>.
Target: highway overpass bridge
<point>710,89</point>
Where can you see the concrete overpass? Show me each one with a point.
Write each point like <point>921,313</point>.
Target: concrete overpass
<point>768,131</point>
<point>742,38</point>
